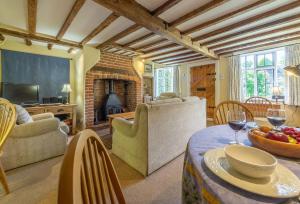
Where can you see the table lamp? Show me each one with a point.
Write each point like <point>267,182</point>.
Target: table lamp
<point>276,92</point>
<point>67,89</point>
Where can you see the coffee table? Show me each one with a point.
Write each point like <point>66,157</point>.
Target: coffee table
<point>127,116</point>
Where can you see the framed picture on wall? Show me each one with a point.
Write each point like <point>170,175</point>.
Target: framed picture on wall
<point>148,68</point>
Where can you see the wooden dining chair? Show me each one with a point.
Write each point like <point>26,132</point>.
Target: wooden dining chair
<point>258,105</point>
<point>87,174</point>
<point>7,123</point>
<point>220,114</point>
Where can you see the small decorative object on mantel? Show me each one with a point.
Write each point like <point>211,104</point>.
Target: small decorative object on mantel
<point>67,89</point>
<point>148,68</point>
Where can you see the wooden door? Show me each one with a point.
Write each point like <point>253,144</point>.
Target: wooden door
<point>203,85</point>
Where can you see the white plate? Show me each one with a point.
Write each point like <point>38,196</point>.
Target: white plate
<point>281,184</point>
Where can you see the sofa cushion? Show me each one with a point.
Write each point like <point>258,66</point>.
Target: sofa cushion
<point>22,115</point>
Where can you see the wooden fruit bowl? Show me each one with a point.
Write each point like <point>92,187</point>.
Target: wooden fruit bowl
<point>274,147</point>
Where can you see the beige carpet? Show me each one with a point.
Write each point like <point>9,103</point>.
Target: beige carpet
<point>37,183</point>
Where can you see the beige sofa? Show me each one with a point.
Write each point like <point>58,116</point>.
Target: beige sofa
<point>44,138</point>
<point>159,133</point>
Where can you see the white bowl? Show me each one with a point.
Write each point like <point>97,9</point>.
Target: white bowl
<point>250,161</point>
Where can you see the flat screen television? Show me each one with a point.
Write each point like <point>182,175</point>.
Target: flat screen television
<point>20,93</point>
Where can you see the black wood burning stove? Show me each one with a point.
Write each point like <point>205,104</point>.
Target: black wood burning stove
<point>113,104</point>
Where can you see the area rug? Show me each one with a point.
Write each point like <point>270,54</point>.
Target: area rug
<point>104,135</point>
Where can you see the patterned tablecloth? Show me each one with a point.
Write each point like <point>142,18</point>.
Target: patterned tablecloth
<point>200,185</point>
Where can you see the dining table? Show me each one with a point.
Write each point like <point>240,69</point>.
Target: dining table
<point>200,185</point>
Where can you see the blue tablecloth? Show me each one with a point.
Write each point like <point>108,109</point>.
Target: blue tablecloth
<point>200,185</point>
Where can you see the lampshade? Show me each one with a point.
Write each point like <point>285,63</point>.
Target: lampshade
<point>293,69</point>
<point>276,91</point>
<point>66,88</point>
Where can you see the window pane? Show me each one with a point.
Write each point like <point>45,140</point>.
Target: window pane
<point>260,60</point>
<point>249,83</point>
<point>268,59</point>
<point>165,80</point>
<point>250,61</point>
<point>280,55</point>
<point>242,62</point>
<point>264,82</point>
<point>280,79</point>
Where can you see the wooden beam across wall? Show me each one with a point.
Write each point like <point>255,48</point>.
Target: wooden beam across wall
<point>261,45</point>
<point>72,14</point>
<point>227,16</point>
<point>136,27</point>
<point>262,41</point>
<point>104,24</point>
<point>166,53</point>
<point>250,37</point>
<point>37,37</point>
<point>184,61</point>
<point>197,12</point>
<point>151,44</point>
<point>173,45</point>
<point>164,7</point>
<point>186,54</point>
<point>49,46</point>
<point>182,58</point>
<point>135,12</point>
<point>254,29</point>
<point>31,18</point>
<point>252,19</point>
<point>140,39</point>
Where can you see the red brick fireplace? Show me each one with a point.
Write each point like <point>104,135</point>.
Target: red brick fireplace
<point>127,84</point>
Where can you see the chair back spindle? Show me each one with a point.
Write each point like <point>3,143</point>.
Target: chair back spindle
<point>220,114</point>
<point>258,105</point>
<point>87,173</point>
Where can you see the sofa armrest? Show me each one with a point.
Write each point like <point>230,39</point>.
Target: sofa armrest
<point>35,128</point>
<point>42,116</point>
<point>123,126</point>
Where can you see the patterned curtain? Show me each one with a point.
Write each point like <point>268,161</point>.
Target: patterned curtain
<point>234,78</point>
<point>292,58</point>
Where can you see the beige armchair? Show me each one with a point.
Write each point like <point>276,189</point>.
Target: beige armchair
<point>41,139</point>
<point>159,132</point>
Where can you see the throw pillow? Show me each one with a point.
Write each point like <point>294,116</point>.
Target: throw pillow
<point>22,115</point>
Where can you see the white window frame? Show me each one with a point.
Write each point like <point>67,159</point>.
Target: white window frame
<point>174,79</point>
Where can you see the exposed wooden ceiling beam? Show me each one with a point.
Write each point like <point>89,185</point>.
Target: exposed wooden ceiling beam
<point>261,16</point>
<point>276,38</point>
<point>75,9</point>
<point>104,24</point>
<point>136,27</point>
<point>261,45</point>
<point>164,7</point>
<point>135,12</point>
<point>165,53</point>
<point>32,11</point>
<point>49,46</point>
<point>151,44</point>
<point>225,17</point>
<point>37,37</point>
<point>121,47</point>
<point>28,42</point>
<point>197,12</point>
<point>140,39</point>
<point>173,45</point>
<point>253,29</point>
<point>120,35</point>
<point>182,58</point>
<point>250,37</point>
<point>183,61</point>
<point>2,38</point>
<point>176,56</point>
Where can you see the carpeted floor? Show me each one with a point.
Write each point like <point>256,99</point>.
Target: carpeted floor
<point>37,183</point>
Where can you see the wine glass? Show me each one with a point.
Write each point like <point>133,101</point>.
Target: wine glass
<point>276,117</point>
<point>236,121</point>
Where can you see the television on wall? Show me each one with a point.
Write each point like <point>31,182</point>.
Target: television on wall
<point>20,93</point>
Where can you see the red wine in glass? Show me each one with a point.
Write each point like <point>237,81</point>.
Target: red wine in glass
<point>236,121</point>
<point>276,117</point>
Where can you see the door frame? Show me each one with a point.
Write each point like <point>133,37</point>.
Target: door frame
<point>218,78</point>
